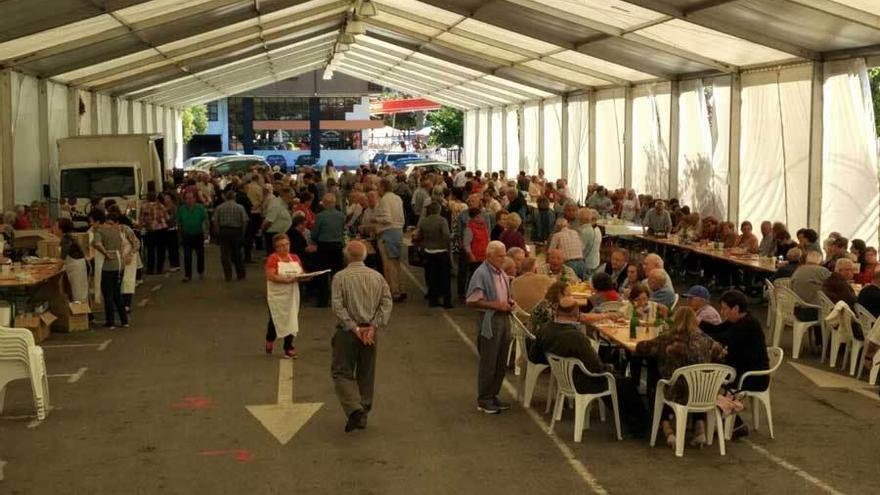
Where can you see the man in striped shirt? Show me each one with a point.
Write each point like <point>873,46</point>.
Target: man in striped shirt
<point>361,301</point>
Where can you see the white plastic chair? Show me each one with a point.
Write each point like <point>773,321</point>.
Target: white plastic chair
<point>609,307</point>
<point>5,314</point>
<point>704,382</point>
<point>775,354</point>
<point>771,304</point>
<point>782,282</point>
<point>866,321</point>
<point>529,379</point>
<point>825,309</point>
<point>843,335</point>
<point>786,301</point>
<point>563,372</point>
<point>21,358</point>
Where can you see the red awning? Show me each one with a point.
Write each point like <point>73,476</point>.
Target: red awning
<point>405,105</point>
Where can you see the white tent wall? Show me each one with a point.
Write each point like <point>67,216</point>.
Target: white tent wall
<point>552,138</point>
<point>532,137</point>
<point>511,142</point>
<point>850,198</point>
<point>483,140</point>
<point>56,127</point>
<point>122,107</point>
<point>496,156</point>
<point>26,138</point>
<point>774,158</point>
<point>610,133</point>
<point>578,142</point>
<point>703,147</point>
<point>136,118</point>
<point>469,152</point>
<point>650,139</point>
<point>178,138</point>
<point>85,110</point>
<point>105,114</point>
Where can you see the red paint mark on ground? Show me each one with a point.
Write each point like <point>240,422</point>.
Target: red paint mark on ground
<point>240,455</point>
<point>194,403</point>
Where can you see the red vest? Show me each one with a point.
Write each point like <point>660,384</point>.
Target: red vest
<point>480,242</point>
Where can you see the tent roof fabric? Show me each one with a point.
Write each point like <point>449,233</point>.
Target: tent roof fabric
<point>462,53</point>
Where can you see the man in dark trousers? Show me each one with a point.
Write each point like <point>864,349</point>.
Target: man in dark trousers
<point>230,224</point>
<point>743,337</point>
<point>329,235</point>
<point>362,306</point>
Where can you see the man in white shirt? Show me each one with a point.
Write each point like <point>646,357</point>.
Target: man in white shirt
<point>389,221</point>
<point>460,179</point>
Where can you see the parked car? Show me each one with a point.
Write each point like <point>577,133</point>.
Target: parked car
<point>195,161</point>
<point>390,158</point>
<point>277,161</point>
<point>219,154</point>
<point>304,161</point>
<point>237,164</point>
<point>430,166</point>
<point>377,159</point>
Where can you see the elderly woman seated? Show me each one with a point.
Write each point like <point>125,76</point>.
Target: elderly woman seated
<point>683,344</point>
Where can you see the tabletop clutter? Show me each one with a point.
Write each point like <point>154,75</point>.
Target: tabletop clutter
<point>34,291</point>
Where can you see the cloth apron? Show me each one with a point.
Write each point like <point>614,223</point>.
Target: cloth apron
<point>129,272</point>
<point>78,276</point>
<point>283,301</point>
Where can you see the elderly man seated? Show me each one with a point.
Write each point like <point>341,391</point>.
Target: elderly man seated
<point>837,286</point>
<point>660,292</point>
<point>518,255</point>
<point>698,300</point>
<point>652,262</point>
<point>806,282</point>
<point>556,267</point>
<point>565,338</point>
<point>530,287</point>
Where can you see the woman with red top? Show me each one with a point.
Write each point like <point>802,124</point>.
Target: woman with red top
<point>512,237</point>
<point>604,289</point>
<point>476,239</point>
<point>305,206</point>
<point>22,218</point>
<point>866,269</point>
<point>283,273</point>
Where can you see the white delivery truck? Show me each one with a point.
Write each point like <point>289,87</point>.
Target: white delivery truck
<point>123,167</point>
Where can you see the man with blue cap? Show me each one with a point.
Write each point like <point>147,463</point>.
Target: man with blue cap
<point>698,300</point>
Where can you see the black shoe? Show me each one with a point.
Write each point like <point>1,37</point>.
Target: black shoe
<point>488,408</point>
<point>504,406</point>
<point>740,432</point>
<point>362,423</point>
<point>354,420</point>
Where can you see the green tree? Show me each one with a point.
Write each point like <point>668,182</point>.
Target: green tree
<point>874,76</point>
<point>195,121</point>
<point>447,127</point>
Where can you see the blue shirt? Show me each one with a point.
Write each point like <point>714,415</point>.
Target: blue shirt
<point>664,296</point>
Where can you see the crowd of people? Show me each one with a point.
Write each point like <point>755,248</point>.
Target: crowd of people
<point>510,244</point>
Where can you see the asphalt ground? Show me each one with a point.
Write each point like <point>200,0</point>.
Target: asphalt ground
<point>161,408</point>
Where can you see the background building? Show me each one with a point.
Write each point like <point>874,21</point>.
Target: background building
<point>281,119</point>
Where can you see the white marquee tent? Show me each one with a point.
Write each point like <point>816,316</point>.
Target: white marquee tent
<point>749,109</point>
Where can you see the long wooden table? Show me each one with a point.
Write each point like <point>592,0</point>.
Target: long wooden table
<point>618,333</point>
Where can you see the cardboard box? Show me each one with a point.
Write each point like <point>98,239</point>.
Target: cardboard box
<point>38,323</point>
<point>49,248</point>
<point>78,319</point>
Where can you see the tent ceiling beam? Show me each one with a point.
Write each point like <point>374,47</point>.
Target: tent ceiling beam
<point>467,65</point>
<point>727,28</point>
<point>208,62</point>
<point>534,56</point>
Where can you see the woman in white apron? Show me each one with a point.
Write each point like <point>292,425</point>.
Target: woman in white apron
<point>283,272</point>
<point>74,263</point>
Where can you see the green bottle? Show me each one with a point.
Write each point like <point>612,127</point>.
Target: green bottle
<point>633,323</point>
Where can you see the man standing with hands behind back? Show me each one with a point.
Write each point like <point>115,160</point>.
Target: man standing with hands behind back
<point>489,293</point>
<point>362,304</point>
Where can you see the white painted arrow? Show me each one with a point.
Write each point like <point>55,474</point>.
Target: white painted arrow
<point>284,418</point>
<point>826,379</point>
